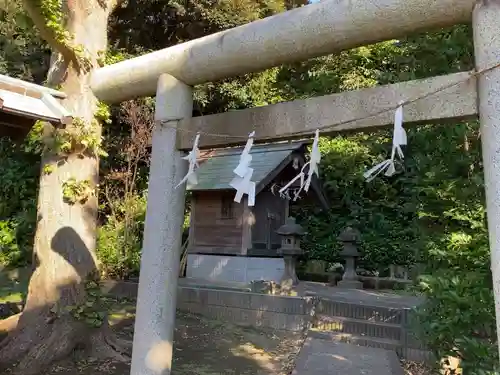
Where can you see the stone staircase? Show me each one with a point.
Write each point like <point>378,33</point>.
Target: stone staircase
<point>378,326</point>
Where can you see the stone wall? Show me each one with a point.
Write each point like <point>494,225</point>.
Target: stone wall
<point>251,309</point>
<point>242,308</point>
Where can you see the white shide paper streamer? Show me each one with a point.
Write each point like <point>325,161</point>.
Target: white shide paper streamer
<point>313,163</point>
<point>242,182</point>
<point>192,158</point>
<point>399,139</point>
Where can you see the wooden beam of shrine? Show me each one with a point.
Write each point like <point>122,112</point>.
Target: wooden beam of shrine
<point>351,111</point>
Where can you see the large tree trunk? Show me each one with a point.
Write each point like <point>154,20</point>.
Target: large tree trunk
<point>66,233</point>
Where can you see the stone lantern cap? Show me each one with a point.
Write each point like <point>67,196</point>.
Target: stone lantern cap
<point>291,228</point>
<point>349,235</point>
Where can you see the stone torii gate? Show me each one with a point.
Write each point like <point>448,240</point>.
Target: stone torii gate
<point>313,30</point>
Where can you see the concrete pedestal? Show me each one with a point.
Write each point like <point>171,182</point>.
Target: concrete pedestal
<point>224,268</point>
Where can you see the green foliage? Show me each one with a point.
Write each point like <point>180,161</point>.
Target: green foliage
<point>48,168</point>
<point>93,311</point>
<point>183,21</point>
<point>251,90</point>
<point>22,52</point>
<point>432,213</point>
<point>18,188</point>
<point>51,10</point>
<point>458,318</point>
<point>119,241</point>
<point>80,138</point>
<point>76,191</point>
<point>112,56</point>
<point>50,18</point>
<point>384,210</point>
<point>103,113</point>
<point>11,255</point>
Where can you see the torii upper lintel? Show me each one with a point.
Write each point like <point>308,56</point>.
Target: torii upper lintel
<point>314,30</point>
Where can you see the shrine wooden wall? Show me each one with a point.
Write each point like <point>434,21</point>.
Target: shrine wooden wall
<point>216,223</point>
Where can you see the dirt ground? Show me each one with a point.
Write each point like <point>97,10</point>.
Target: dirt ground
<point>201,346</point>
<point>206,347</point>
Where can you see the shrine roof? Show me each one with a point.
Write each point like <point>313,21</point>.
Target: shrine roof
<point>216,166</point>
<point>22,103</point>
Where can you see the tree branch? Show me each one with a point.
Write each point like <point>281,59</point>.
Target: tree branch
<point>61,44</point>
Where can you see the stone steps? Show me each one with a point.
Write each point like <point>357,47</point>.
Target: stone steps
<point>372,342</point>
<point>408,353</point>
<point>321,357</point>
<point>372,313</point>
<point>357,327</point>
<point>382,326</point>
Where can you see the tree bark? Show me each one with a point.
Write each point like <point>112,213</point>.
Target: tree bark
<point>65,238</point>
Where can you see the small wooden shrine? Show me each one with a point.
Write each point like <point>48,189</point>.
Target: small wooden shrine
<point>230,241</point>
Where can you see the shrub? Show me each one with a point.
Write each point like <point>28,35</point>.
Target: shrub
<point>10,254</point>
<point>19,171</point>
<point>458,317</point>
<point>120,239</point>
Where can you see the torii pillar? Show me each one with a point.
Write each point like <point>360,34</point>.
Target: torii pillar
<point>157,295</point>
<point>486,26</point>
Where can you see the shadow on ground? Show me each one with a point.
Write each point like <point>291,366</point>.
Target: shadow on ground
<point>203,347</point>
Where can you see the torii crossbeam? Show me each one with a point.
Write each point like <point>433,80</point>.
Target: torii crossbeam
<point>313,30</point>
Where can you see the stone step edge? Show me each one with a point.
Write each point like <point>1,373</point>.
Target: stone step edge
<point>410,354</point>
<point>403,334</point>
<point>344,319</point>
<point>362,312</point>
<point>359,327</point>
<point>389,305</point>
<point>356,339</point>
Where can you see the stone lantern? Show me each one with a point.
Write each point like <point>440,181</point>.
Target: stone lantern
<point>349,238</point>
<point>291,233</point>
